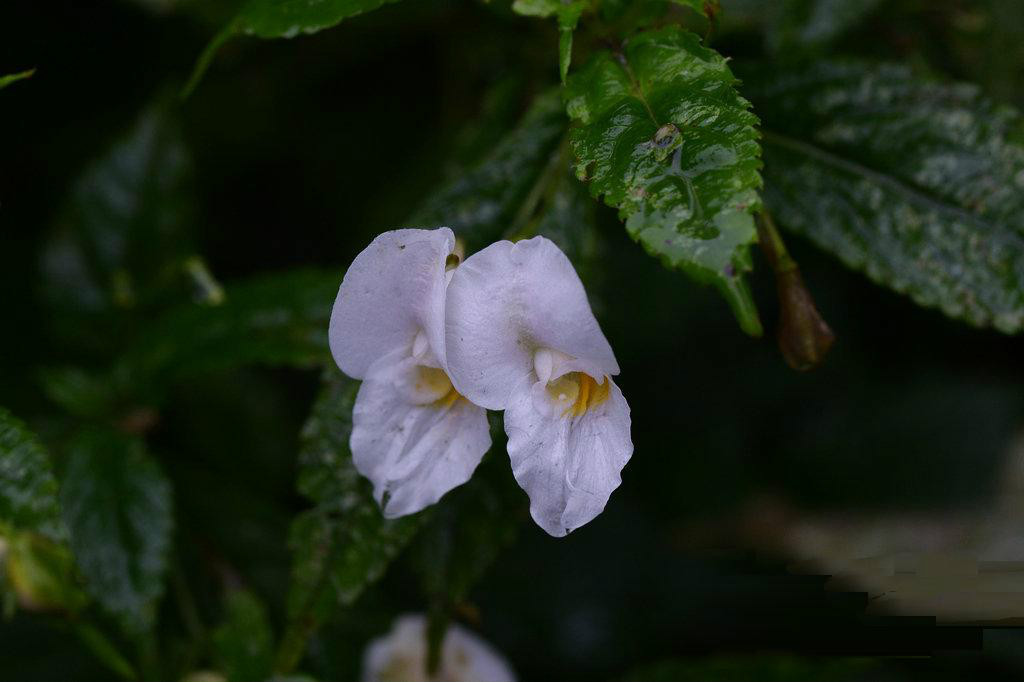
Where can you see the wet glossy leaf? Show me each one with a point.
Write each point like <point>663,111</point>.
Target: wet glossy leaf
<point>28,490</point>
<point>343,544</point>
<point>117,505</point>
<point>243,645</point>
<point>15,77</point>
<point>124,233</point>
<point>664,136</point>
<point>482,204</point>
<point>275,320</point>
<point>916,183</point>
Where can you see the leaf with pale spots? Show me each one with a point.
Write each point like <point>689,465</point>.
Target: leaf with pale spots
<point>28,490</point>
<point>117,504</point>
<point>243,644</point>
<point>344,543</point>
<point>917,183</point>
<point>663,135</point>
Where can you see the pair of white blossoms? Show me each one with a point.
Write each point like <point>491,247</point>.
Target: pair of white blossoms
<point>437,343</point>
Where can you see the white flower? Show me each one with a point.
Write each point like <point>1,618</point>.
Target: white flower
<point>413,435</point>
<point>521,337</point>
<point>401,656</point>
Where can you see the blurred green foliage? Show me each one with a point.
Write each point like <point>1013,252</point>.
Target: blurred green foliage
<point>177,498</point>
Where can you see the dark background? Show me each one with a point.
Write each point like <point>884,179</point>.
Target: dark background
<point>305,149</point>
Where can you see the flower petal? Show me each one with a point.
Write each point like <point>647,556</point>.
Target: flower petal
<point>393,291</point>
<point>509,301</point>
<point>401,654</point>
<point>568,465</point>
<point>413,436</point>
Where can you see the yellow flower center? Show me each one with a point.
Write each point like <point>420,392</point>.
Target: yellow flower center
<point>435,386</point>
<point>577,392</point>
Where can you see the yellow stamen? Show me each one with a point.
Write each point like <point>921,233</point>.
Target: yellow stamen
<point>578,392</point>
<point>435,382</point>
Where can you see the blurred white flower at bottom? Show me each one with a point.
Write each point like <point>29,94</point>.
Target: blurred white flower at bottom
<point>401,656</point>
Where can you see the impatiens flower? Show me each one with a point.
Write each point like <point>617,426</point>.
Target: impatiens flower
<point>413,435</point>
<point>401,656</point>
<point>521,337</point>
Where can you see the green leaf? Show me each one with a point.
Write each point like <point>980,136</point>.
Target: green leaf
<point>15,77</point>
<point>470,528</point>
<point>344,543</point>
<point>568,14</point>
<point>815,23</point>
<point>123,235</point>
<point>707,8</point>
<point>103,649</point>
<point>117,505</point>
<point>28,490</point>
<point>289,18</point>
<point>281,19</point>
<point>243,643</point>
<point>41,573</point>
<point>81,393</point>
<point>568,219</point>
<point>483,202</point>
<point>918,184</point>
<point>274,319</point>
<point>663,136</point>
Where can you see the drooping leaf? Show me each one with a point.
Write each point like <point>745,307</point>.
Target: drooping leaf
<point>664,136</point>
<point>243,643</point>
<point>15,77</point>
<point>275,319</point>
<point>28,489</point>
<point>482,203</point>
<point>123,235</point>
<point>281,19</point>
<point>117,505</point>
<point>567,14</point>
<point>344,543</point>
<point>918,184</point>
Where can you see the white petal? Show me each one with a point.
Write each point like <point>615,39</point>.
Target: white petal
<point>467,658</point>
<point>401,655</point>
<point>413,439</point>
<point>568,465</point>
<point>393,291</point>
<point>509,301</point>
